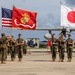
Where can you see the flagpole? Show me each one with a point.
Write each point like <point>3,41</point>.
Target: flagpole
<point>1,20</point>
<point>36,25</point>
<point>11,27</point>
<point>60,16</point>
<point>2,30</point>
<point>11,31</point>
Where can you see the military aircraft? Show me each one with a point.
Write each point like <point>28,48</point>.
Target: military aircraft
<point>64,30</point>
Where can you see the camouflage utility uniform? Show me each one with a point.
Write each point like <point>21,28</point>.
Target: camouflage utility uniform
<point>54,48</point>
<point>3,47</point>
<point>25,47</point>
<point>61,48</point>
<point>20,43</point>
<point>69,47</point>
<point>11,43</point>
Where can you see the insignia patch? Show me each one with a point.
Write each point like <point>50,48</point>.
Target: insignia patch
<point>25,18</point>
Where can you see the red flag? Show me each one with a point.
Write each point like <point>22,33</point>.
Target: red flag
<point>49,43</point>
<point>23,19</point>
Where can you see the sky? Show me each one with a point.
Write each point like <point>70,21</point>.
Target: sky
<point>48,15</point>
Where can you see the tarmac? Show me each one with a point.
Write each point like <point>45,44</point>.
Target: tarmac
<point>38,63</point>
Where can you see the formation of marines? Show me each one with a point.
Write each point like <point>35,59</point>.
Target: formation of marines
<point>60,44</point>
<point>10,46</point>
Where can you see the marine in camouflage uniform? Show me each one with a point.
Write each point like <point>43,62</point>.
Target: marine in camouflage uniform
<point>54,47</point>
<point>61,47</point>
<point>25,48</point>
<point>6,52</point>
<point>69,46</point>
<point>11,44</point>
<point>20,43</point>
<point>8,49</point>
<point>3,40</point>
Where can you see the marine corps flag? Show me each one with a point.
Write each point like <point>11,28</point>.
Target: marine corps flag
<point>23,19</point>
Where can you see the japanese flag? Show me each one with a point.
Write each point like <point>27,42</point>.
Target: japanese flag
<point>67,17</point>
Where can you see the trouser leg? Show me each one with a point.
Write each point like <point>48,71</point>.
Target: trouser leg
<point>12,54</point>
<point>62,53</point>
<point>2,56</point>
<point>54,53</point>
<point>20,54</point>
<point>70,53</point>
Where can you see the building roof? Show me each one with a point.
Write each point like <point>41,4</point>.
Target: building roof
<point>33,38</point>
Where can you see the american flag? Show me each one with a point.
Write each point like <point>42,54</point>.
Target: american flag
<point>6,17</point>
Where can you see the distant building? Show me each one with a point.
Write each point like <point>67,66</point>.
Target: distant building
<point>33,42</point>
<point>43,44</point>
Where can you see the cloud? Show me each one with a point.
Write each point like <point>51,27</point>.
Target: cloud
<point>48,15</point>
<point>70,2</point>
<point>46,20</point>
<point>56,24</point>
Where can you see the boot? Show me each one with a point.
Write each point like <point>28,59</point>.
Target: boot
<point>62,60</point>
<point>53,60</point>
<point>69,60</point>
<point>3,62</point>
<point>12,59</point>
<point>20,59</point>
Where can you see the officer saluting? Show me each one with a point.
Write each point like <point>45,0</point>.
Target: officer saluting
<point>69,46</point>
<point>20,43</point>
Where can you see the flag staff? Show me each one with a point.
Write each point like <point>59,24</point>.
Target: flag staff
<point>2,30</point>
<point>1,20</point>
<point>11,31</point>
<point>60,16</point>
<point>11,27</point>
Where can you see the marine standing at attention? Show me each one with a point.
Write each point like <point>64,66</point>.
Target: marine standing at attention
<point>69,47</point>
<point>54,46</point>
<point>20,43</point>
<point>61,47</point>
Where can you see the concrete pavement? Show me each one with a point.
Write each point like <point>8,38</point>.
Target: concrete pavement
<point>38,64</point>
